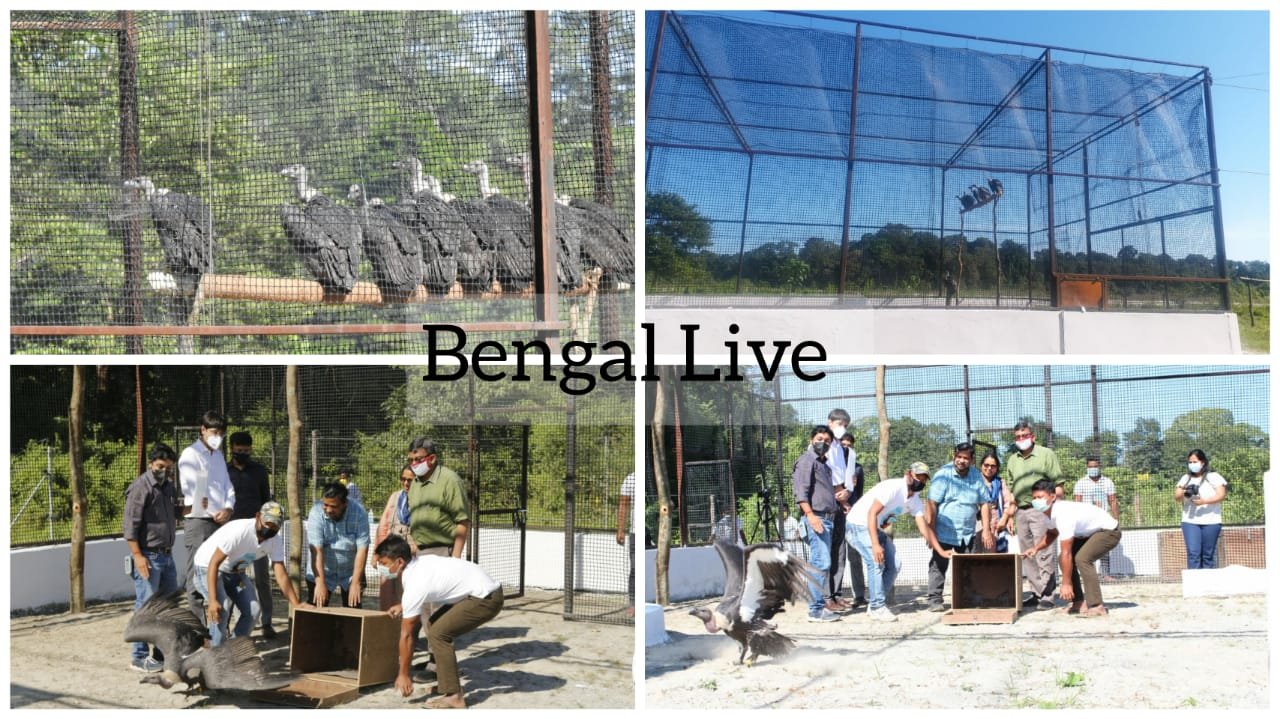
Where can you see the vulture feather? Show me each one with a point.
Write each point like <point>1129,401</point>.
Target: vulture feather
<point>325,234</point>
<point>393,248</point>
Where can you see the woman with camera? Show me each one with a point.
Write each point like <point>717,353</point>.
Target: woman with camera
<point>1201,492</point>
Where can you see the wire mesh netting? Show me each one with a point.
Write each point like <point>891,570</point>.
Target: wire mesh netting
<point>268,170</point>
<point>513,445</point>
<point>896,166</point>
<point>1141,422</point>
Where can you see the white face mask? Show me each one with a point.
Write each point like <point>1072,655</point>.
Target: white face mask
<point>1194,467</point>
<point>1093,471</point>
<point>214,441</point>
<point>421,468</point>
<point>837,431</point>
<point>1024,444</point>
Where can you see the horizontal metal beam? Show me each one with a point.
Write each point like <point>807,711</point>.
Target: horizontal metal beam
<point>269,330</point>
<point>1140,278</point>
<point>1152,220</point>
<point>67,25</point>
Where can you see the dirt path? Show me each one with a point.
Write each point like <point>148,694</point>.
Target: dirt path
<point>527,657</point>
<point>1133,659</point>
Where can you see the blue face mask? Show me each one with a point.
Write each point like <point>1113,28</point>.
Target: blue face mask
<point>385,573</point>
<point>1039,504</point>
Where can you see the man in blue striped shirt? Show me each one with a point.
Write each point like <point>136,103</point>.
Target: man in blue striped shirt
<point>338,532</point>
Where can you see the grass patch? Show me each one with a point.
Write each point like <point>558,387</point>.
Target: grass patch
<point>1071,679</point>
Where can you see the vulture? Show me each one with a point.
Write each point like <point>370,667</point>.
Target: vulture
<point>393,248</point>
<point>981,194</point>
<point>185,228</point>
<point>504,227</point>
<point>757,581</point>
<point>451,251</point>
<point>164,621</point>
<point>997,187</point>
<point>325,234</point>
<point>967,202</point>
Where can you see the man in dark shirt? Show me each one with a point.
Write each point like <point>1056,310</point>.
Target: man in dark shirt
<point>252,490</point>
<point>150,526</point>
<point>812,488</point>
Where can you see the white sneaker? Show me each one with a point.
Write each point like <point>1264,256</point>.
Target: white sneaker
<point>882,614</point>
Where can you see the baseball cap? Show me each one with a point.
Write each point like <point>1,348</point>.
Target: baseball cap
<point>272,513</point>
<point>919,468</point>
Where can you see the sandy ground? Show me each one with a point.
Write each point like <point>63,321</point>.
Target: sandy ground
<point>1134,658</point>
<point>529,656</point>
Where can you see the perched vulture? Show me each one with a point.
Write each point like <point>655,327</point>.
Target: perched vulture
<point>757,581</point>
<point>981,194</point>
<point>165,621</point>
<point>185,228</point>
<point>997,187</point>
<point>967,201</point>
<point>451,251</point>
<point>504,227</point>
<point>325,234</point>
<point>393,248</point>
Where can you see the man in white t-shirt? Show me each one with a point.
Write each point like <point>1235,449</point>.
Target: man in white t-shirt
<point>220,564</point>
<point>466,598</point>
<point>1097,489</point>
<point>1084,532</point>
<point>208,495</point>
<point>867,520</point>
<point>792,534</point>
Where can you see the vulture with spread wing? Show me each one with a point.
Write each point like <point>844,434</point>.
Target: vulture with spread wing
<point>165,621</point>
<point>757,581</point>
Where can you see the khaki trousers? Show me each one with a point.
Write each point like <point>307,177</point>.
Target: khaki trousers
<point>450,622</point>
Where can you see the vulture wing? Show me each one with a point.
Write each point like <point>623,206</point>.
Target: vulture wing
<point>233,665</point>
<point>731,558</point>
<point>165,621</point>
<point>328,238</point>
<point>180,221</point>
<point>394,251</point>
<point>773,577</point>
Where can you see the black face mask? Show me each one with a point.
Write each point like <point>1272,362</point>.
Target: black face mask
<point>266,533</point>
<point>915,485</point>
<point>240,457</point>
<point>160,474</point>
<point>821,448</point>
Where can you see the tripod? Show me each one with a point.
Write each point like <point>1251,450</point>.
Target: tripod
<point>764,513</point>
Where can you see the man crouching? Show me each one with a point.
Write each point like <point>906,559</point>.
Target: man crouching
<point>466,597</point>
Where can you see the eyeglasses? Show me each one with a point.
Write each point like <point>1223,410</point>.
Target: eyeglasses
<point>991,466</point>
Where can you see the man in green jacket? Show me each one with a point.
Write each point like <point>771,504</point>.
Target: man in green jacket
<point>1023,468</point>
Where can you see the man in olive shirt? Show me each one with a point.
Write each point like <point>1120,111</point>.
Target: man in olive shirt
<point>150,527</point>
<point>1022,469</point>
<point>438,519</point>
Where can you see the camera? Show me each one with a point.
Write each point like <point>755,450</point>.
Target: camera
<point>1191,491</point>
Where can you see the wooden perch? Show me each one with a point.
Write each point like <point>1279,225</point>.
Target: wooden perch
<point>279,289</point>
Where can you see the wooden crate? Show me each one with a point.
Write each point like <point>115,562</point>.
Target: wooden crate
<point>338,651</point>
<point>985,589</point>
<point>1088,291</point>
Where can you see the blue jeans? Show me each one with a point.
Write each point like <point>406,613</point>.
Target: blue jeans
<point>163,580</point>
<point>1202,544</point>
<point>234,589</point>
<point>819,559</point>
<point>879,576</point>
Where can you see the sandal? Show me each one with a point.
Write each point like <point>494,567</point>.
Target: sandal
<point>1098,611</point>
<point>1073,608</point>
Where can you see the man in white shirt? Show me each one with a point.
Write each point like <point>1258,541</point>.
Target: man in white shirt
<point>792,534</point>
<point>220,564</point>
<point>1084,533</point>
<point>208,496</point>
<point>1097,489</point>
<point>627,538</point>
<point>865,532</point>
<point>466,598</point>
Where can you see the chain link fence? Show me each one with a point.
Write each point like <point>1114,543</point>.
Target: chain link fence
<point>885,165</point>
<point>315,182</point>
<point>530,461</point>
<point>1141,421</point>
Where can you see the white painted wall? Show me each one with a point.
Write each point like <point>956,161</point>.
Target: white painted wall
<point>696,572</point>
<point>898,330</point>
<point>40,575</point>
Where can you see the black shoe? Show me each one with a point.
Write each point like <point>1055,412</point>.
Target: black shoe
<point>269,633</point>
<point>1046,603</point>
<point>859,602</point>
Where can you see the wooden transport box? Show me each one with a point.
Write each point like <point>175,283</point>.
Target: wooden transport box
<point>985,589</point>
<point>338,651</point>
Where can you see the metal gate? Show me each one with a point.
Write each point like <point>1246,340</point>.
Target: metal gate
<point>497,474</point>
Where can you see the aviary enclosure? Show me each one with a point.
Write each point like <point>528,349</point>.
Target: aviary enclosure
<point>318,181</point>
<point>895,166</point>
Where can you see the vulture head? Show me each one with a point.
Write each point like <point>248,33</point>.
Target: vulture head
<point>142,182</point>
<point>480,169</point>
<point>298,174</point>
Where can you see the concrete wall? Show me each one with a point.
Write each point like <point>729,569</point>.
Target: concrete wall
<point>39,576</point>
<point>696,572</point>
<point>899,330</point>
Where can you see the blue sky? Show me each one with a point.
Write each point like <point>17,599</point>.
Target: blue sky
<point>1234,45</point>
<point>1120,403</point>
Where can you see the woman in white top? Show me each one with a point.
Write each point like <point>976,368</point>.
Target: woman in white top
<point>1201,491</point>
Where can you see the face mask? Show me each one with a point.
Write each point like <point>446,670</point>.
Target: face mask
<point>240,457</point>
<point>421,468</point>
<point>214,441</point>
<point>1194,467</point>
<point>915,485</point>
<point>160,474</point>
<point>385,573</point>
<point>1093,471</point>
<point>837,431</point>
<point>1039,504</point>
<point>1024,444</point>
<point>266,533</point>
<point>820,448</point>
